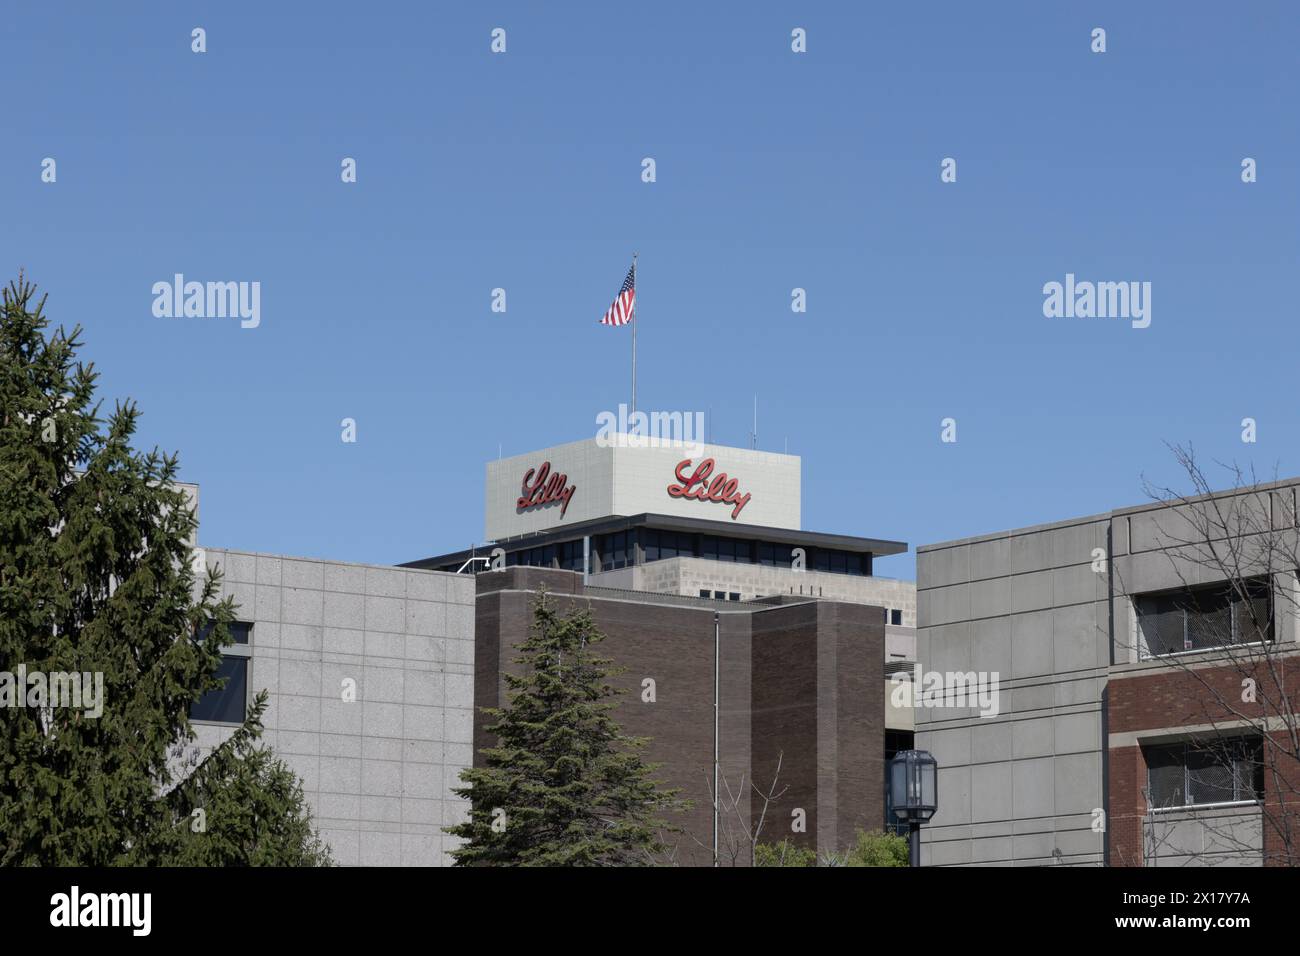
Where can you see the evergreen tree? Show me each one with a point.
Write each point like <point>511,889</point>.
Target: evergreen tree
<point>562,786</point>
<point>96,577</point>
<point>250,808</point>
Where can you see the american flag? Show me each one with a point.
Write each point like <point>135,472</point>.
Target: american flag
<point>620,313</point>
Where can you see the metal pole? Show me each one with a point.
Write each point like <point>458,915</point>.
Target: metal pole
<point>914,843</point>
<point>717,645</point>
<point>635,310</point>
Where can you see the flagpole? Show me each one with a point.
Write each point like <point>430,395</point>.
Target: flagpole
<point>635,303</point>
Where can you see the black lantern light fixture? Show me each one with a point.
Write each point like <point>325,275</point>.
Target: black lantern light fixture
<point>913,794</point>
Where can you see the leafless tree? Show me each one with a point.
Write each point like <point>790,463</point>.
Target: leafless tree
<point>740,821</point>
<point>1229,633</point>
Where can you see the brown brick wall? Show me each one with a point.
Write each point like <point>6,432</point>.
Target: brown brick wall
<point>1281,802</point>
<point>1169,700</point>
<point>803,681</point>
<point>1208,695</point>
<point>1124,815</point>
<point>784,707</point>
<point>858,668</point>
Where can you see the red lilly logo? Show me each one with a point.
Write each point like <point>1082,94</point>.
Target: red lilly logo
<point>546,488</point>
<point>720,489</point>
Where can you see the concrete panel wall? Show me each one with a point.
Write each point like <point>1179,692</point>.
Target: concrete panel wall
<point>1079,697</point>
<point>590,470</point>
<point>642,477</point>
<point>1018,787</point>
<point>1229,836</point>
<point>376,771</point>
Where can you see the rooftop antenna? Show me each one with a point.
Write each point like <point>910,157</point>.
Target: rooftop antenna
<point>753,436</point>
<point>710,431</point>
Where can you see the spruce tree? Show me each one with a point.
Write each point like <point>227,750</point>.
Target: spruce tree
<point>563,786</point>
<point>96,576</point>
<point>252,808</point>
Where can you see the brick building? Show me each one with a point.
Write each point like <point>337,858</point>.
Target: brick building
<point>376,674</point>
<point>800,685</point>
<point>1147,666</point>
<point>661,543</point>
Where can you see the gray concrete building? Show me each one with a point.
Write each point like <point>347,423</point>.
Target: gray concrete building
<point>371,669</point>
<point>370,674</point>
<point>1019,787</point>
<point>1123,735</point>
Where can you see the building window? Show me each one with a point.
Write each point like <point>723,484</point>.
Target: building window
<point>840,562</point>
<point>539,557</point>
<point>704,592</point>
<point>896,617</point>
<point>618,550</point>
<point>1202,618</point>
<point>661,545</point>
<point>724,549</point>
<point>775,555</point>
<point>719,595</point>
<point>239,630</point>
<point>733,596</point>
<point>569,555</point>
<point>1191,774</point>
<point>227,704</point>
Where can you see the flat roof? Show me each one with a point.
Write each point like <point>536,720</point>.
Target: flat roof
<point>612,525</point>
<point>1154,505</point>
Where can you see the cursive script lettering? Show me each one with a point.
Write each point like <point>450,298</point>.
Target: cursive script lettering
<point>720,489</point>
<point>546,488</point>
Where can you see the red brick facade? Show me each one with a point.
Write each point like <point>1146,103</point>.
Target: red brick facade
<point>1127,807</point>
<point>1160,705</point>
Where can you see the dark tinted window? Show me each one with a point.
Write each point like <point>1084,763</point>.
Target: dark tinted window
<point>227,704</point>
<point>662,545</point>
<point>775,555</point>
<point>834,562</point>
<point>617,550</point>
<point>539,557</point>
<point>651,545</point>
<point>677,545</point>
<point>569,555</point>
<point>241,631</point>
<point>724,549</point>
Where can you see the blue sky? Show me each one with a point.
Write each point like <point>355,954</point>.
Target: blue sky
<point>774,171</point>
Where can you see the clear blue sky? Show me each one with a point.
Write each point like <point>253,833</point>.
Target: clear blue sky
<point>775,170</point>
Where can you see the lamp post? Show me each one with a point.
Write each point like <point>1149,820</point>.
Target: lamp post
<point>913,794</point>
